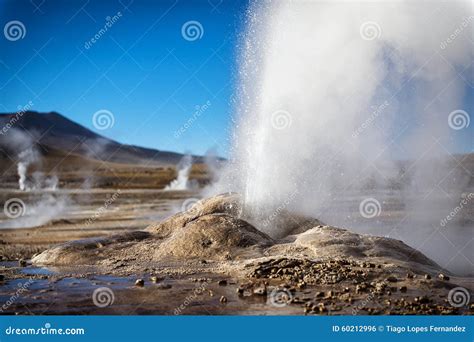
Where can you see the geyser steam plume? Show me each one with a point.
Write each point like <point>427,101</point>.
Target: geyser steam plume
<point>334,94</point>
<point>182,181</point>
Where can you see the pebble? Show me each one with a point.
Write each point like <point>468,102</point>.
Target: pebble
<point>427,276</point>
<point>403,289</point>
<point>22,263</point>
<point>155,279</point>
<point>223,299</point>
<point>139,282</point>
<point>443,276</point>
<point>260,290</point>
<point>222,282</point>
<point>392,279</point>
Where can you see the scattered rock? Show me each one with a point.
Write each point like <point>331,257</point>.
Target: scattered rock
<point>222,282</point>
<point>443,277</point>
<point>139,282</point>
<point>155,279</point>
<point>223,299</point>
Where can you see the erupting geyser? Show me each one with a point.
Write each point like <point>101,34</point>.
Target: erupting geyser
<point>334,94</point>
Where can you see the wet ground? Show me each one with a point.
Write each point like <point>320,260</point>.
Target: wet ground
<point>25,289</point>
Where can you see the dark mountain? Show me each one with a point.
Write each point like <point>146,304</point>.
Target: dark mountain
<point>56,132</point>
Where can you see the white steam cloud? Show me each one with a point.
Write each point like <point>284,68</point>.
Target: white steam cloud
<point>182,182</point>
<point>335,95</point>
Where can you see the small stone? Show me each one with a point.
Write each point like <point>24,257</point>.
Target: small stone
<point>164,286</point>
<point>427,276</point>
<point>260,290</point>
<point>2,277</point>
<point>203,262</point>
<point>443,277</point>
<point>410,275</point>
<point>139,282</point>
<point>422,300</point>
<point>22,263</point>
<point>392,279</point>
<point>403,289</point>
<point>223,299</point>
<point>222,282</point>
<point>319,294</point>
<point>155,279</point>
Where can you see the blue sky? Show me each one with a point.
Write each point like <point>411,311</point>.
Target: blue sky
<point>141,69</point>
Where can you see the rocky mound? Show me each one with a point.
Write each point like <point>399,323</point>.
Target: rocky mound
<point>215,229</point>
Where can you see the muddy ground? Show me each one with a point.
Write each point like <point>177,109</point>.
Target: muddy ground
<point>280,279</point>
